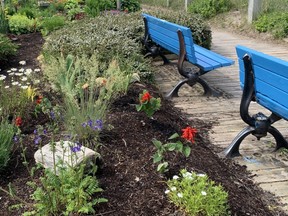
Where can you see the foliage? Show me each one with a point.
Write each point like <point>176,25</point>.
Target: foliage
<point>209,8</point>
<point>7,48</point>
<point>7,132</point>
<point>72,8</point>
<point>201,32</point>
<point>148,104</point>
<point>93,8</point>
<point>21,24</point>
<point>72,191</point>
<point>196,194</point>
<point>130,5</point>
<point>50,24</point>
<point>276,23</point>
<point>176,146</point>
<point>4,25</point>
<point>30,12</point>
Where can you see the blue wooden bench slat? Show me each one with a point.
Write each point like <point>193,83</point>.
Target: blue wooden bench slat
<point>178,40</point>
<point>264,79</point>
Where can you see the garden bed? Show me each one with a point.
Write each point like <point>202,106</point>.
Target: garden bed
<point>127,173</point>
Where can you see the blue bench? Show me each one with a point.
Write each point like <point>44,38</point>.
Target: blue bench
<point>178,40</point>
<point>264,79</point>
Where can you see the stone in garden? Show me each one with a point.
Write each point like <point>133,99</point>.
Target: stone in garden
<point>63,152</point>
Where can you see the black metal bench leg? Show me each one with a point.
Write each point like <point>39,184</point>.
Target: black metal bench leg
<point>174,91</point>
<point>280,140</point>
<point>208,91</point>
<point>233,149</point>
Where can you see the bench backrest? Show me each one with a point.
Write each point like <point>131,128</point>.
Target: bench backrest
<point>270,80</point>
<point>164,33</point>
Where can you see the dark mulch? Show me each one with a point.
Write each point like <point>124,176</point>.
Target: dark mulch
<point>128,175</point>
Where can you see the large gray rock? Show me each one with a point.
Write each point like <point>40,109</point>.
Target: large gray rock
<point>64,157</point>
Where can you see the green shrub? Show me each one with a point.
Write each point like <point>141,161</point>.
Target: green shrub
<point>72,8</point>
<point>6,143</point>
<point>93,8</point>
<point>7,48</point>
<point>130,5</point>
<point>21,24</point>
<point>31,13</point>
<point>50,24</point>
<point>197,195</point>
<point>209,8</point>
<point>4,25</point>
<point>276,23</point>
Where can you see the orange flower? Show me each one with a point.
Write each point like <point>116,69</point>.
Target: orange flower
<point>146,97</point>
<point>39,99</point>
<point>18,121</point>
<point>189,134</point>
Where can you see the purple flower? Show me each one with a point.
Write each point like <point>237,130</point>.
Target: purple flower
<point>84,124</point>
<point>35,131</point>
<point>52,115</point>
<point>45,131</point>
<point>37,140</point>
<point>76,148</point>
<point>90,123</point>
<point>15,138</point>
<point>99,124</point>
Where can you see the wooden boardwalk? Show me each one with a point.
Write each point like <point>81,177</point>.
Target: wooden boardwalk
<point>270,168</point>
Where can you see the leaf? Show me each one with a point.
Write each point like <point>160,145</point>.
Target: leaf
<point>186,151</point>
<point>173,136</point>
<point>138,107</point>
<point>162,167</point>
<point>157,157</point>
<point>157,143</point>
<point>170,146</point>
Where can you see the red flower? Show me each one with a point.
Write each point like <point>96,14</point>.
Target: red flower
<point>189,134</point>
<point>39,99</point>
<point>18,121</point>
<point>145,97</point>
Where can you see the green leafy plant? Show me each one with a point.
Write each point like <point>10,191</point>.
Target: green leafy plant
<point>71,191</point>
<point>93,8</point>
<point>148,104</point>
<point>7,132</point>
<point>177,146</point>
<point>209,8</point>
<point>72,8</point>
<point>21,24</point>
<point>196,194</point>
<point>7,48</point>
<point>130,5</point>
<point>50,24</point>
<point>4,25</point>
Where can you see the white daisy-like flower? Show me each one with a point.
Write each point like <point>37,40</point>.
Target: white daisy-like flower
<point>22,62</point>
<point>14,69</point>
<point>11,74</point>
<point>2,77</point>
<point>37,70</point>
<point>24,79</point>
<point>21,70</point>
<point>203,193</point>
<point>173,188</point>
<point>201,175</point>
<point>9,71</point>
<point>28,83</point>
<point>180,195</point>
<point>6,87</point>
<point>175,177</point>
<point>167,191</point>
<point>28,71</point>
<point>18,74</point>
<point>19,84</point>
<point>36,81</point>
<point>24,87</point>
<point>15,83</point>
<point>187,175</point>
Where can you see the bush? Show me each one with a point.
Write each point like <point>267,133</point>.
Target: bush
<point>6,143</point>
<point>209,8</point>
<point>7,48</point>
<point>4,26</point>
<point>276,23</point>
<point>21,24</point>
<point>93,8</point>
<point>130,5</point>
<point>50,24</point>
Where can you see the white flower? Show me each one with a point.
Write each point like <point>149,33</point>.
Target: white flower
<point>173,188</point>
<point>21,70</point>
<point>167,191</point>
<point>28,83</point>
<point>37,70</point>
<point>36,81</point>
<point>175,177</point>
<point>18,74</point>
<point>7,87</point>
<point>22,62</point>
<point>11,74</point>
<point>19,84</point>
<point>28,71</point>
<point>14,69</point>
<point>24,87</point>
<point>2,77</point>
<point>9,71</point>
<point>15,83</point>
<point>201,175</point>
<point>203,193</point>
<point>187,175</point>
<point>180,195</point>
<point>24,79</point>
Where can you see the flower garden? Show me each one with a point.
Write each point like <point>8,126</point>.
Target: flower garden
<point>75,73</point>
